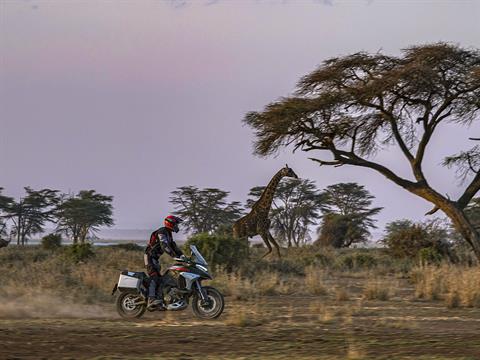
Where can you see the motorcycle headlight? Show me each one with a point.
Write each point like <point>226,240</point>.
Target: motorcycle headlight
<point>203,268</point>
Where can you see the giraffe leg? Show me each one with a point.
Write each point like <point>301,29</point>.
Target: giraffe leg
<point>274,242</point>
<point>267,242</point>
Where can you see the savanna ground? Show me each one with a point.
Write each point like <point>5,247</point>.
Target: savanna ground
<point>314,304</point>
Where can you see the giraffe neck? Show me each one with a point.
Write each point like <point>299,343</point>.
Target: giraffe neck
<point>265,201</point>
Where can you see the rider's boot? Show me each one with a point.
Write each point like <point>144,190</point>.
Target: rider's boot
<point>154,303</point>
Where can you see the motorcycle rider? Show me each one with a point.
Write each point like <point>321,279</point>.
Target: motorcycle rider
<point>161,240</point>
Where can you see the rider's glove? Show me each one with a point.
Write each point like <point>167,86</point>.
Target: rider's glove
<point>183,258</point>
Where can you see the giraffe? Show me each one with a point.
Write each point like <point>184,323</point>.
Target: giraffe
<point>256,222</point>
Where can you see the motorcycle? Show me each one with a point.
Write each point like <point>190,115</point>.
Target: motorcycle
<point>182,285</point>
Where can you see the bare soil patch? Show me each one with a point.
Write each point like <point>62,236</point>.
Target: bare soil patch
<point>278,327</point>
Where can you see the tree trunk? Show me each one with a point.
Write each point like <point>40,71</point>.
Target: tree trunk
<point>456,214</point>
<point>463,225</point>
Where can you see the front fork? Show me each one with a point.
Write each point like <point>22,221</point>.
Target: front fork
<point>201,291</point>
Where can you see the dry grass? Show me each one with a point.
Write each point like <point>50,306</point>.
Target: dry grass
<point>93,280</point>
<point>456,285</point>
<point>246,316</point>
<point>341,294</point>
<point>377,289</point>
<point>315,281</point>
<point>355,351</point>
<point>324,313</point>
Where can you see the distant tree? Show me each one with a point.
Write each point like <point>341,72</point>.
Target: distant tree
<point>295,208</point>
<point>30,213</point>
<point>204,210</point>
<point>354,106</point>
<point>5,203</point>
<point>350,203</point>
<point>83,214</point>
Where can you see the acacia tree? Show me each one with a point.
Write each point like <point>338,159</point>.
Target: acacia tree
<point>204,210</point>
<point>348,207</point>
<point>31,212</point>
<point>295,208</point>
<point>353,106</point>
<point>5,202</point>
<point>83,214</point>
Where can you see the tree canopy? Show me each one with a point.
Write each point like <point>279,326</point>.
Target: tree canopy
<point>82,214</point>
<point>204,210</point>
<point>353,106</point>
<point>30,213</point>
<point>5,202</point>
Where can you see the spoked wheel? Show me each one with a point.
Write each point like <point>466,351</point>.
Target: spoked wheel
<point>128,305</point>
<point>210,309</point>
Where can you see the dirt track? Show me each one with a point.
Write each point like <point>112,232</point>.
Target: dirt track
<point>276,328</point>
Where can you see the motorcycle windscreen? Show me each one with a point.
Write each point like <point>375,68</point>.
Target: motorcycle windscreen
<point>199,258</point>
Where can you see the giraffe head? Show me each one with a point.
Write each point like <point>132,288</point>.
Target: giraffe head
<point>288,172</point>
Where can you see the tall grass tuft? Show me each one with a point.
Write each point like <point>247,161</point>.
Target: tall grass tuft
<point>377,289</point>
<point>456,285</point>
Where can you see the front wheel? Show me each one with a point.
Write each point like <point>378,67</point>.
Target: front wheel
<point>210,309</point>
<point>128,305</point>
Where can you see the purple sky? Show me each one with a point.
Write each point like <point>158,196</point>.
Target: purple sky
<point>135,98</point>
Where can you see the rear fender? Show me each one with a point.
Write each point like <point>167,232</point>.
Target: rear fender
<point>114,289</point>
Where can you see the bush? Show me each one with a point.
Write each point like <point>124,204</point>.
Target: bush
<point>221,250</point>
<point>79,252</point>
<point>429,255</point>
<point>333,231</point>
<point>283,266</point>
<point>405,239</point>
<point>356,261</point>
<point>51,241</point>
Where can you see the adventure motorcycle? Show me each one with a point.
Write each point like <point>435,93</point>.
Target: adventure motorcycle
<point>182,283</point>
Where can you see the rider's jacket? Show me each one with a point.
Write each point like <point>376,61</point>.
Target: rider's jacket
<point>161,241</point>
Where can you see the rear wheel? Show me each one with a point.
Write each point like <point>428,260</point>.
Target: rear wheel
<point>210,309</point>
<point>128,305</point>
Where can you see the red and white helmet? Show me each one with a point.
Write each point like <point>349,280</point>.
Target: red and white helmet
<point>171,223</point>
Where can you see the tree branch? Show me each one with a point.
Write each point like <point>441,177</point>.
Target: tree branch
<point>470,192</point>
<point>433,211</point>
<point>395,130</point>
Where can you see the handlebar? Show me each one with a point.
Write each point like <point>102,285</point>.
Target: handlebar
<point>183,259</point>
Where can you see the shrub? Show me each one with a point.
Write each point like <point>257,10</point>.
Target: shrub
<point>405,239</point>
<point>429,255</point>
<point>282,266</point>
<point>51,241</point>
<point>356,261</point>
<point>79,252</point>
<point>221,250</point>
<point>333,231</point>
<point>323,259</point>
